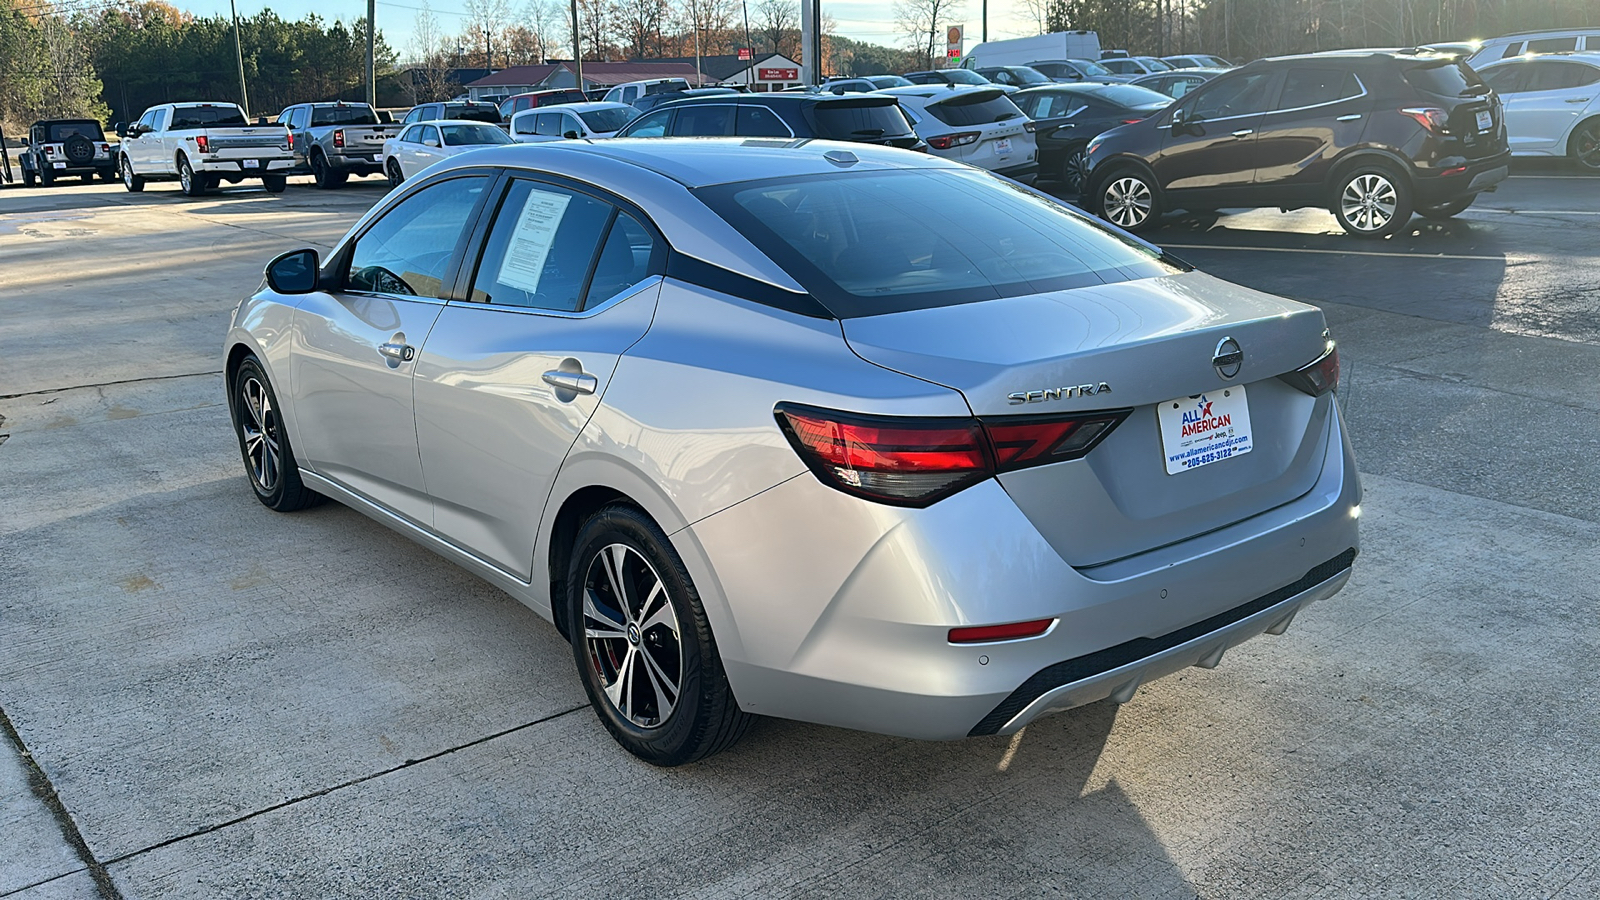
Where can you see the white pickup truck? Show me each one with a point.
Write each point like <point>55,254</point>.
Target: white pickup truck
<point>202,145</point>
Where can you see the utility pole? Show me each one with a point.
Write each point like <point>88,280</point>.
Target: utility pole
<point>986,21</point>
<point>810,43</point>
<point>488,52</point>
<point>372,67</point>
<point>238,51</point>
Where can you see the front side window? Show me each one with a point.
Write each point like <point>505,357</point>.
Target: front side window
<point>407,251</point>
<point>522,124</point>
<point>541,249</point>
<point>605,121</point>
<point>651,125</point>
<point>877,242</point>
<point>1240,95</point>
<point>711,120</point>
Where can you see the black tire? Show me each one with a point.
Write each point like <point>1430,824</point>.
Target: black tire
<point>1442,211</point>
<point>393,172</point>
<point>108,174</point>
<point>274,183</point>
<point>269,462</point>
<point>1583,146</point>
<point>47,176</point>
<point>193,185</point>
<point>327,179</point>
<point>89,178</point>
<point>1074,169</point>
<point>1129,199</point>
<point>134,183</point>
<point>620,549</point>
<point>1371,200</point>
<point>28,178</point>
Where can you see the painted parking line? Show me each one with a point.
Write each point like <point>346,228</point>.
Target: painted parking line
<point>1536,212</point>
<point>1468,256</point>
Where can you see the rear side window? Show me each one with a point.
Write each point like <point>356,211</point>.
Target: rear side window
<point>850,121</point>
<point>1550,75</point>
<point>206,116</point>
<point>878,242</point>
<point>342,115</point>
<point>1314,87</point>
<point>1553,45</point>
<point>711,120</point>
<point>1446,79</point>
<point>541,252</point>
<point>651,124</point>
<point>974,109</point>
<point>758,121</point>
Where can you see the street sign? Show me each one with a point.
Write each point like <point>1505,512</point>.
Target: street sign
<point>746,54</point>
<point>952,43</point>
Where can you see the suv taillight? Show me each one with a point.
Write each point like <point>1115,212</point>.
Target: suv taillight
<point>946,141</point>
<point>338,138</point>
<point>49,150</point>
<point>915,462</point>
<point>1319,377</point>
<point>1430,117</point>
<point>204,143</point>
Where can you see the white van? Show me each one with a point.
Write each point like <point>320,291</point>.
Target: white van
<point>1022,51</point>
<point>1511,45</point>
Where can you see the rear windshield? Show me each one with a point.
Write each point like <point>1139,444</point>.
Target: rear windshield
<point>662,87</point>
<point>978,108</point>
<point>965,76</point>
<point>60,131</point>
<point>343,115</point>
<point>205,116</point>
<point>603,120</point>
<point>560,97</point>
<point>873,242</point>
<point>1447,78</point>
<point>1131,96</point>
<point>485,113</point>
<point>855,121</point>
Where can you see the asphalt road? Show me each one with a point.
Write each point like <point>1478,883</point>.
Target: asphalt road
<point>202,698</point>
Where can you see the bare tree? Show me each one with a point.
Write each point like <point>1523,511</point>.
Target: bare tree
<point>923,22</point>
<point>638,25</point>
<point>778,26</point>
<point>430,77</point>
<point>1034,12</point>
<point>486,26</point>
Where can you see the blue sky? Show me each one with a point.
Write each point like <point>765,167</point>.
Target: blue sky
<point>864,20</point>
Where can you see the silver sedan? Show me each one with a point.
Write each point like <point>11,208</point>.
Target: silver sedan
<point>832,432</point>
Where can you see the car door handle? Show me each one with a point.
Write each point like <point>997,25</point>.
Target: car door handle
<point>576,382</point>
<point>1245,133</point>
<point>1578,99</point>
<point>398,352</point>
<point>1350,118</point>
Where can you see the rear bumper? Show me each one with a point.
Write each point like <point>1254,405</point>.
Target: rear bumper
<point>1460,177</point>
<point>842,617</point>
<point>264,165</point>
<point>356,161</point>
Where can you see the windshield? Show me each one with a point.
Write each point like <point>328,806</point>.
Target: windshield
<point>1156,65</point>
<point>1132,96</point>
<point>965,76</point>
<point>1028,76</point>
<point>873,242</point>
<point>974,108</point>
<point>606,120</point>
<point>60,131</point>
<point>203,116</point>
<point>463,134</point>
<point>343,115</point>
<point>1090,67</point>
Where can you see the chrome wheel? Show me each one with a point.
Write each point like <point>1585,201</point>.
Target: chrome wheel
<point>186,177</point>
<point>631,636</point>
<point>1369,201</point>
<point>1128,202</point>
<point>258,426</point>
<point>1585,144</point>
<point>127,173</point>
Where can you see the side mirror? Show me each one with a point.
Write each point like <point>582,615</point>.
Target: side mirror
<point>26,142</point>
<point>121,128</point>
<point>294,272</point>
<point>429,142</point>
<point>572,135</point>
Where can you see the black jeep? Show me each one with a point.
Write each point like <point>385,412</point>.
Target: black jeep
<point>57,148</point>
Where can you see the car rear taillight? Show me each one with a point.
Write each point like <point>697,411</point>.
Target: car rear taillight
<point>1319,377</point>
<point>916,462</point>
<point>338,138</point>
<point>204,143</point>
<point>49,151</point>
<point>105,148</point>
<point>981,634</point>
<point>946,141</point>
<point>1430,117</point>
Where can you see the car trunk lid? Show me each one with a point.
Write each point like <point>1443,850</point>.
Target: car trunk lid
<point>1131,345</point>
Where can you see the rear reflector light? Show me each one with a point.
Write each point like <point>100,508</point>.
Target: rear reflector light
<point>204,143</point>
<point>1432,118</point>
<point>946,141</point>
<point>915,462</point>
<point>338,138</point>
<point>1320,377</point>
<point>1010,632</point>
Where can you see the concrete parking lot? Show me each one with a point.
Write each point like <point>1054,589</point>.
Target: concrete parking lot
<point>202,698</point>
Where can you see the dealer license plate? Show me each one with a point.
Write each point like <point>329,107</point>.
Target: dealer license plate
<point>252,164</point>
<point>1485,120</point>
<point>1198,431</point>
<point>1002,146</point>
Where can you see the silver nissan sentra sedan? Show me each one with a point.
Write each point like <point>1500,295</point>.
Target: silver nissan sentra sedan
<point>832,432</point>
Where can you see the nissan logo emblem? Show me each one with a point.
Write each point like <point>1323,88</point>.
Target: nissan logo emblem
<point>1228,359</point>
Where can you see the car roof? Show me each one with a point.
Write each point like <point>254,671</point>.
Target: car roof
<point>935,90</point>
<point>1587,57</point>
<point>697,162</point>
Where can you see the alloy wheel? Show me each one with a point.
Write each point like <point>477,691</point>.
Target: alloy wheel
<point>631,635</point>
<point>1586,145</point>
<point>186,177</point>
<point>1074,174</point>
<point>1128,202</point>
<point>1369,201</point>
<point>258,422</point>
<point>127,173</point>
